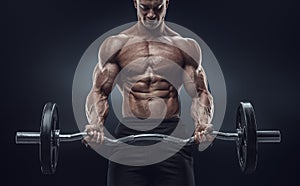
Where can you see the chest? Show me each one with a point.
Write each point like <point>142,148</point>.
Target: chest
<point>150,54</point>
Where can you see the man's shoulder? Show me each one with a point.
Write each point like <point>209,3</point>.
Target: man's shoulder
<point>111,46</point>
<point>178,39</point>
<point>189,46</point>
<point>186,41</point>
<point>114,42</point>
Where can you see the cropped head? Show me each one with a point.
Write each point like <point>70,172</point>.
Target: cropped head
<point>151,13</point>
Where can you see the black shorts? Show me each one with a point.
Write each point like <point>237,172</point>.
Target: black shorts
<point>177,170</point>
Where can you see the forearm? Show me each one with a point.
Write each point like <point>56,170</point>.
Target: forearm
<point>97,101</point>
<point>97,107</point>
<point>202,109</point>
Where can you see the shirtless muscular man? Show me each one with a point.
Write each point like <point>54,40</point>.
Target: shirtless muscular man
<point>147,44</point>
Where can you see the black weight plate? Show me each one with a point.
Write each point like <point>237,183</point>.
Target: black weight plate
<point>247,143</point>
<point>49,143</point>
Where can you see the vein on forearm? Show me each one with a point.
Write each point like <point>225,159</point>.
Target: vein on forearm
<point>97,106</point>
<point>202,113</point>
<point>202,107</point>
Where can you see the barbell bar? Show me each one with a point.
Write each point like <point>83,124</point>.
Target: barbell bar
<point>34,137</point>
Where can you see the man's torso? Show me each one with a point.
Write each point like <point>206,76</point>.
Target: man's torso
<point>150,75</point>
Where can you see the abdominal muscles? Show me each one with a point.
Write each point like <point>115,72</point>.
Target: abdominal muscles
<point>151,97</point>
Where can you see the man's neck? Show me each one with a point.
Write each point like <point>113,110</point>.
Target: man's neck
<point>159,31</point>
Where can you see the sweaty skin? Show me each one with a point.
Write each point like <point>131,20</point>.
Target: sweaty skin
<point>150,49</point>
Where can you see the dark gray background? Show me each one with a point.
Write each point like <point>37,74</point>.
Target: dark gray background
<point>255,42</point>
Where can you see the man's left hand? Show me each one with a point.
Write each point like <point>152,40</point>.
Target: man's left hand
<point>203,133</point>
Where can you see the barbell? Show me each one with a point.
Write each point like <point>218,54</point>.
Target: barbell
<point>246,137</point>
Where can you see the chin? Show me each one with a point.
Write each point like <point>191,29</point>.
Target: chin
<point>151,26</point>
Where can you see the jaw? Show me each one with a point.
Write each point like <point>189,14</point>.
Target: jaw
<point>151,25</point>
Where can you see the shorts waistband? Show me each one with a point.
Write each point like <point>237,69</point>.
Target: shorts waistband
<point>153,120</point>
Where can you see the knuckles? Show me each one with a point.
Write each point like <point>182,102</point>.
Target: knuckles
<point>94,134</point>
<point>203,133</point>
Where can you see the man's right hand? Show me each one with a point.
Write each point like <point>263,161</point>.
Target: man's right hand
<point>95,134</point>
